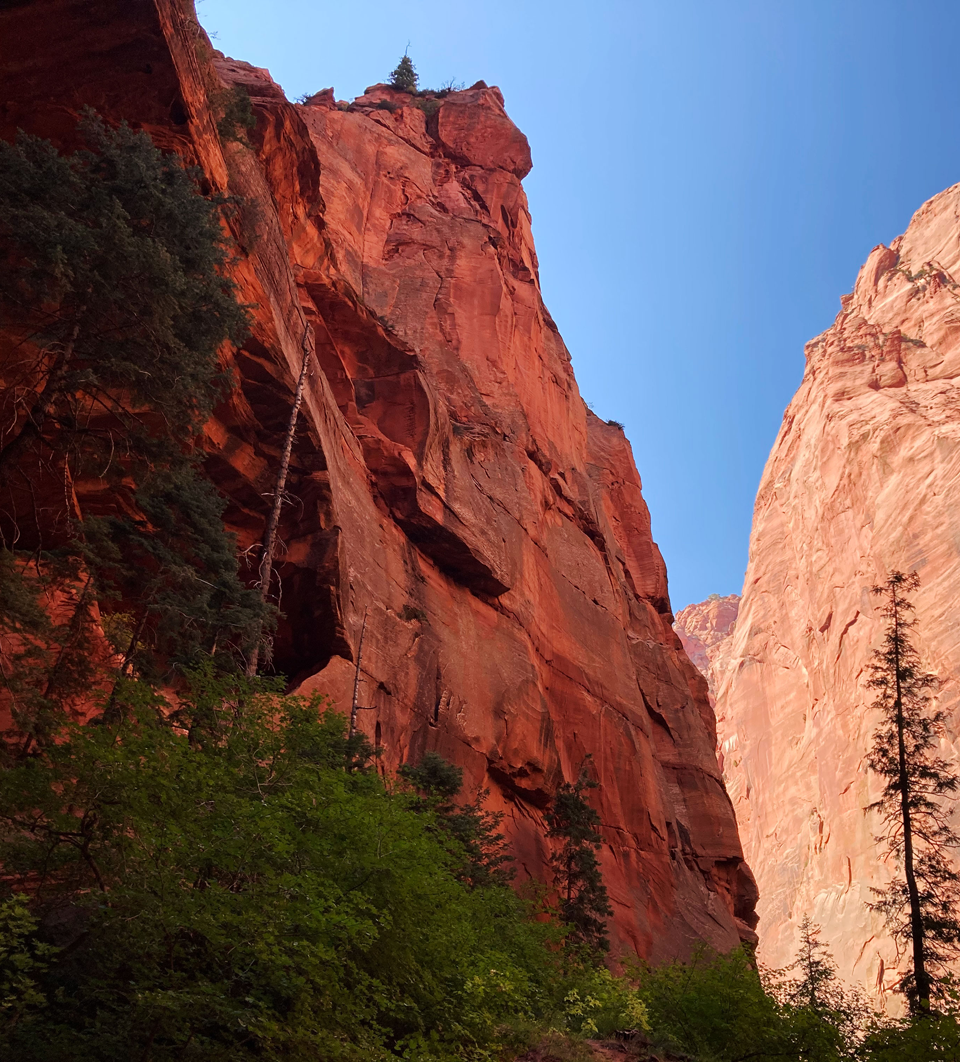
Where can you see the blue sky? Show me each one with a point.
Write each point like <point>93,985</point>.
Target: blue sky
<point>708,178</point>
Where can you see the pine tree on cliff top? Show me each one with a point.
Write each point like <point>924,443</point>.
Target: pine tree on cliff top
<point>405,77</point>
<point>584,902</point>
<point>922,906</point>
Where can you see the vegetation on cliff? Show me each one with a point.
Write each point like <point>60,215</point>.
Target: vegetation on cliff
<point>227,875</point>
<point>114,296</point>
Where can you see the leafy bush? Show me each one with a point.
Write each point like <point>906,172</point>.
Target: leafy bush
<point>226,877</point>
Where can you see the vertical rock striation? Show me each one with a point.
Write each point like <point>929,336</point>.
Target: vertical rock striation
<point>864,478</point>
<point>449,491</point>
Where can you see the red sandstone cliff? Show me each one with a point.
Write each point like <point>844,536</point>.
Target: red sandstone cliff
<point>447,482</point>
<point>864,478</point>
<point>705,630</point>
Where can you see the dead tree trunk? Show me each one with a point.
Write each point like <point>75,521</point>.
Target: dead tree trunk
<point>354,706</point>
<point>273,522</point>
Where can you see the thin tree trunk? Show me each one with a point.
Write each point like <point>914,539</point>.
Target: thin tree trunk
<point>273,522</point>
<point>108,711</point>
<point>354,708</point>
<point>14,450</point>
<point>903,780</point>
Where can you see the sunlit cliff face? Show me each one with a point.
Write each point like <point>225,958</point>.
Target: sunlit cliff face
<point>448,487</point>
<point>864,478</point>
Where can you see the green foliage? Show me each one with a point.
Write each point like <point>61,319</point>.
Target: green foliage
<point>237,119</point>
<point>428,106</point>
<point>226,878</point>
<point>584,903</point>
<point>827,1016</point>
<point>404,77</point>
<point>23,959</point>
<point>112,281</point>
<point>112,269</point>
<point>714,1008</point>
<point>473,832</point>
<point>174,567</point>
<point>934,1038</point>
<point>922,906</point>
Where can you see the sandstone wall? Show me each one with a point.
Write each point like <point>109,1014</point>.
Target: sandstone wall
<point>864,478</point>
<point>449,489</point>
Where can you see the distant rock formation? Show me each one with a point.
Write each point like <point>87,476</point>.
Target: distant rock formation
<point>705,630</point>
<point>449,492</point>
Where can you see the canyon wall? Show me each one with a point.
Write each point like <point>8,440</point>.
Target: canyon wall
<point>705,630</point>
<point>452,501</point>
<point>864,478</point>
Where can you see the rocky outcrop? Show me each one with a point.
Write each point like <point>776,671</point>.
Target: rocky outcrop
<point>864,478</point>
<point>705,630</point>
<point>450,495</point>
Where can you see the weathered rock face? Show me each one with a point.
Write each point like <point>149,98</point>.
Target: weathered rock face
<point>705,630</point>
<point>864,478</point>
<point>451,495</point>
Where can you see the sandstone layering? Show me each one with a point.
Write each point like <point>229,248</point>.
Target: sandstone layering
<point>449,489</point>
<point>864,478</point>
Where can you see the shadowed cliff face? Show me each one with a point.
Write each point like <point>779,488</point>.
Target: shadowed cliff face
<point>448,484</point>
<point>864,478</point>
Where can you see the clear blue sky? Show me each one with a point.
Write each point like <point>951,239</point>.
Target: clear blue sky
<point>708,178</point>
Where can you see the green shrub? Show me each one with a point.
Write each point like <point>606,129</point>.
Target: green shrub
<point>229,879</point>
<point>237,119</point>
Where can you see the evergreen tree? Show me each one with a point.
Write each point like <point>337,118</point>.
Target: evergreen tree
<point>475,831</point>
<point>113,290</point>
<point>827,1019</point>
<point>111,280</point>
<point>584,903</point>
<point>404,76</point>
<point>922,907</point>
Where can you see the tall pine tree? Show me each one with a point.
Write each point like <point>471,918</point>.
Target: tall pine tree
<point>922,906</point>
<point>584,902</point>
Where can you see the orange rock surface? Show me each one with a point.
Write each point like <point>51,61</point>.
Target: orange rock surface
<point>450,494</point>
<point>705,631</point>
<point>864,478</point>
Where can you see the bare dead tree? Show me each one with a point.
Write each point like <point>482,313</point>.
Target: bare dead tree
<point>354,706</point>
<point>273,521</point>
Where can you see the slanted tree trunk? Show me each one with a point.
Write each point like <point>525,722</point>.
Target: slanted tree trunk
<point>354,705</point>
<point>273,521</point>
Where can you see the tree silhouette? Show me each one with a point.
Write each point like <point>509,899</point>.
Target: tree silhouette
<point>584,902</point>
<point>922,906</point>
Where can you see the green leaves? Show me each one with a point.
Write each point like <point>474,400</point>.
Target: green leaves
<point>227,879</point>
<point>584,903</point>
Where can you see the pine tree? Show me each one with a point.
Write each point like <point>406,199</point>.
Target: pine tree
<point>475,831</point>
<point>111,281</point>
<point>113,291</point>
<point>923,906</point>
<point>405,77</point>
<point>815,969</point>
<point>584,902</point>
